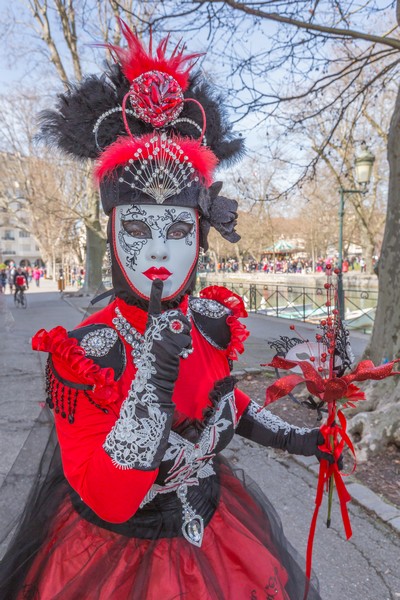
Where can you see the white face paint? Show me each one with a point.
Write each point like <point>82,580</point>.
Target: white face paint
<point>156,242</point>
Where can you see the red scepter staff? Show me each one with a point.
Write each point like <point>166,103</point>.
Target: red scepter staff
<point>323,375</point>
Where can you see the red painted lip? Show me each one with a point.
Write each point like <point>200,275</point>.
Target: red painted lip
<point>154,273</point>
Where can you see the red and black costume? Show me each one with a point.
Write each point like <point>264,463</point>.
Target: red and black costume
<point>118,531</point>
<point>137,502</point>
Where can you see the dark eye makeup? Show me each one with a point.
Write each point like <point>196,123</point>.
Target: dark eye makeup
<point>179,230</point>
<point>137,229</point>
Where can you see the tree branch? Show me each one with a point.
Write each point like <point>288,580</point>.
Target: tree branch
<point>40,14</point>
<point>334,31</point>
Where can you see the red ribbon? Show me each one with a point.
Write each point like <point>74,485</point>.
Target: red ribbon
<point>328,390</point>
<point>326,470</point>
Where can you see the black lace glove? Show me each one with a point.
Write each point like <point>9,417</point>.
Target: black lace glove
<point>140,435</point>
<point>168,335</point>
<point>268,429</point>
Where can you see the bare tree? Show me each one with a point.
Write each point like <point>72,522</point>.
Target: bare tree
<point>365,212</point>
<point>40,196</point>
<point>64,30</point>
<point>41,193</point>
<point>330,68</point>
<point>299,62</point>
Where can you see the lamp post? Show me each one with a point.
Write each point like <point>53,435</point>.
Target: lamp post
<point>363,168</point>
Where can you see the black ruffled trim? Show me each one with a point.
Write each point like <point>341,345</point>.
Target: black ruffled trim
<point>71,384</point>
<point>191,429</point>
<point>62,395</point>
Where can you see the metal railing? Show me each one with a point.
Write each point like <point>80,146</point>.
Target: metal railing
<point>303,303</point>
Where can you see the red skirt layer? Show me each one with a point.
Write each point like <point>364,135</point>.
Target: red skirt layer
<point>242,557</point>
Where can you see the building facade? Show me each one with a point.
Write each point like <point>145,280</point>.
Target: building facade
<point>17,244</point>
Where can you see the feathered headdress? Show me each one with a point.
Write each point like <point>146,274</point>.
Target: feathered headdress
<point>157,131</point>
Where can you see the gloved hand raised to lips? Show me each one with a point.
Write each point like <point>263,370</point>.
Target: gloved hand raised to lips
<point>139,437</point>
<point>167,335</point>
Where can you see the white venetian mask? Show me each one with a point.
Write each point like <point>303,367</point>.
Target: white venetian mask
<point>156,242</point>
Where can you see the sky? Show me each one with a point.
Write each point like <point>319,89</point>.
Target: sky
<point>34,68</point>
<point>21,74</point>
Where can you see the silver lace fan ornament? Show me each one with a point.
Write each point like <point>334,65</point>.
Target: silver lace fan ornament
<point>160,169</point>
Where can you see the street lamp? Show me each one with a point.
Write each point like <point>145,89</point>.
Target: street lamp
<point>363,168</point>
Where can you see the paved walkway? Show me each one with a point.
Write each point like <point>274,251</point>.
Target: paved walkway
<point>364,568</point>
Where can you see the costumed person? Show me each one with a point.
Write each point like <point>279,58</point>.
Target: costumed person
<point>20,281</point>
<point>137,502</point>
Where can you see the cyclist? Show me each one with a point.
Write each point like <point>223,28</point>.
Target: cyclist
<point>20,281</point>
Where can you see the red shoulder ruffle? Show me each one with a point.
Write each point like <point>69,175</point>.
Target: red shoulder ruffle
<point>239,332</point>
<point>66,350</point>
<point>227,298</point>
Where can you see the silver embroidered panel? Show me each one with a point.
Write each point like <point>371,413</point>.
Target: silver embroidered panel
<point>194,461</point>
<point>99,343</point>
<point>273,422</point>
<point>208,308</point>
<point>137,434</point>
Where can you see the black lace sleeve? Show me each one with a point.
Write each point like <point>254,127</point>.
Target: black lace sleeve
<point>267,429</point>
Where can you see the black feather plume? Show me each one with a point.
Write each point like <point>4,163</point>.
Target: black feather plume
<point>70,125</point>
<point>219,135</point>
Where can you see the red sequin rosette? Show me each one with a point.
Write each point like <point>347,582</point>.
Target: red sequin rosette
<point>156,98</point>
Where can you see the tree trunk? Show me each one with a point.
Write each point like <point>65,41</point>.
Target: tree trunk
<point>385,340</point>
<point>95,248</point>
<point>313,255</point>
<point>377,420</point>
<point>214,258</point>
<point>239,257</point>
<point>53,266</point>
<point>368,253</point>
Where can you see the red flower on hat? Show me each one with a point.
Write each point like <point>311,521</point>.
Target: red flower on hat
<point>157,82</point>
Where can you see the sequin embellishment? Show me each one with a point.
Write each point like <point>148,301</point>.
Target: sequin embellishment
<point>208,308</point>
<point>99,343</point>
<point>129,333</point>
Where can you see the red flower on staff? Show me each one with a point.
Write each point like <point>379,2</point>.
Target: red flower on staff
<point>337,391</point>
<point>328,390</point>
<point>353,395</point>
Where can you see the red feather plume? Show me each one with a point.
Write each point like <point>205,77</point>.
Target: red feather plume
<point>136,60</point>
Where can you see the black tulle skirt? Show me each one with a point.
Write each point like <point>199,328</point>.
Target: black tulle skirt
<point>57,553</point>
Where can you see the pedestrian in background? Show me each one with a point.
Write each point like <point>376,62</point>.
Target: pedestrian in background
<point>36,276</point>
<point>11,273</point>
<point>3,281</point>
